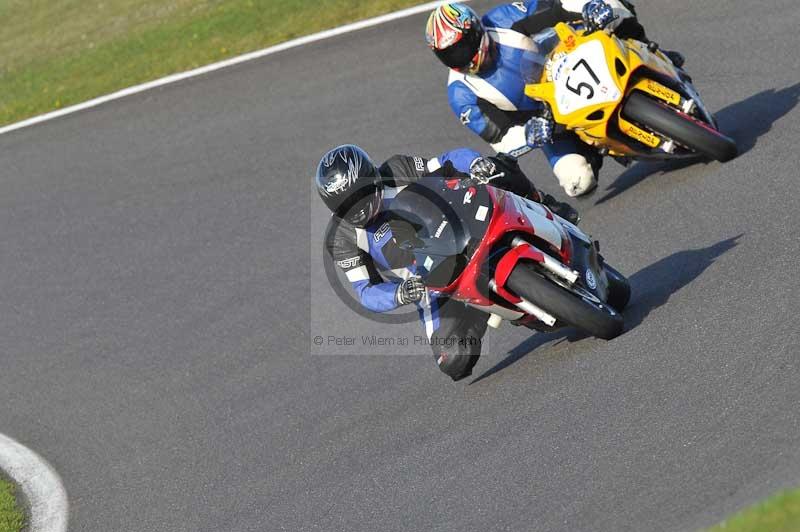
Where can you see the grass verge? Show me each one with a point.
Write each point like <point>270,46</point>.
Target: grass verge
<point>11,517</point>
<point>55,53</point>
<point>779,513</point>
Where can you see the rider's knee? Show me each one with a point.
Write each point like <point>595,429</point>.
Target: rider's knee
<point>457,357</point>
<point>575,174</point>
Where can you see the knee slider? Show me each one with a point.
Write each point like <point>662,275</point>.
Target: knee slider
<point>575,174</point>
<point>456,359</point>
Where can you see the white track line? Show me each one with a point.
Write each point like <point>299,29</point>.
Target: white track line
<point>40,484</point>
<point>223,64</point>
<point>37,479</point>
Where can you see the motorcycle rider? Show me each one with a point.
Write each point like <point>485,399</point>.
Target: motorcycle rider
<point>362,242</point>
<point>486,88</point>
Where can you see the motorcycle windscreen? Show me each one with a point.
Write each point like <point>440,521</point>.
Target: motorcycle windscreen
<point>534,61</point>
<point>442,227</point>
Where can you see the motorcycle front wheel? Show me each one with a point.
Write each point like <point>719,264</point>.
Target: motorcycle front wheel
<point>680,127</point>
<point>573,306</point>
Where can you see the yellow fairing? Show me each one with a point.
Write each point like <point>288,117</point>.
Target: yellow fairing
<point>590,121</point>
<point>659,91</point>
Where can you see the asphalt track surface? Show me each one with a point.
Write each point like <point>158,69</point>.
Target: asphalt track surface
<point>157,317</point>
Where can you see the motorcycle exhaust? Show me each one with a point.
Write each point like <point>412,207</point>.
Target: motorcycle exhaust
<point>550,263</point>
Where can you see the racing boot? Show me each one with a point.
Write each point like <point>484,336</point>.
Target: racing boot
<point>565,210</point>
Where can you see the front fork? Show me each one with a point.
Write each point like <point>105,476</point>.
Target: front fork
<point>672,98</point>
<point>586,270</point>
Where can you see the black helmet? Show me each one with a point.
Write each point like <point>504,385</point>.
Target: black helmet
<point>350,184</point>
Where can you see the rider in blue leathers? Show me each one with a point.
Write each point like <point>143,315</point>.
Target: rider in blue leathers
<point>362,240</point>
<point>486,87</point>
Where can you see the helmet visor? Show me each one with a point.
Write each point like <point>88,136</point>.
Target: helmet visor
<point>461,54</point>
<point>363,207</point>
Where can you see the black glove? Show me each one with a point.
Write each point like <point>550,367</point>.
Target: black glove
<point>410,291</point>
<point>565,210</point>
<point>482,170</point>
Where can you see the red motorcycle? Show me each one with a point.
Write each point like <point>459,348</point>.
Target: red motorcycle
<point>508,256</point>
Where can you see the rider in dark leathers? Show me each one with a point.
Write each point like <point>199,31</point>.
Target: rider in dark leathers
<point>362,240</point>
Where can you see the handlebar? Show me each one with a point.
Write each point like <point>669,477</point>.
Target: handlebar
<point>471,182</point>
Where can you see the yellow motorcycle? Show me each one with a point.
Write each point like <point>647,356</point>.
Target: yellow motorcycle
<point>623,97</point>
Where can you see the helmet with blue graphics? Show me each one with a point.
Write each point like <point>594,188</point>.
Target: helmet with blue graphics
<point>350,184</point>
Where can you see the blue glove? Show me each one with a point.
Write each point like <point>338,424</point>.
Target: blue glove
<point>597,15</point>
<point>539,131</point>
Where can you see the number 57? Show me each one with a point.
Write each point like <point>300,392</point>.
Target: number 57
<point>583,85</point>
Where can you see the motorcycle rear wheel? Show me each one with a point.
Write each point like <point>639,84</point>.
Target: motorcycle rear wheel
<point>680,127</point>
<point>569,306</point>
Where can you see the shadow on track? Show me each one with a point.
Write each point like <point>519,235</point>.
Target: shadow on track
<point>641,171</point>
<point>753,118</point>
<point>529,346</point>
<point>745,121</point>
<point>652,287</point>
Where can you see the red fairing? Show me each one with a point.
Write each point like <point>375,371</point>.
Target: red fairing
<point>505,219</point>
<point>507,265</point>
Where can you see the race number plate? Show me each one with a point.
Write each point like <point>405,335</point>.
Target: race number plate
<point>582,79</point>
